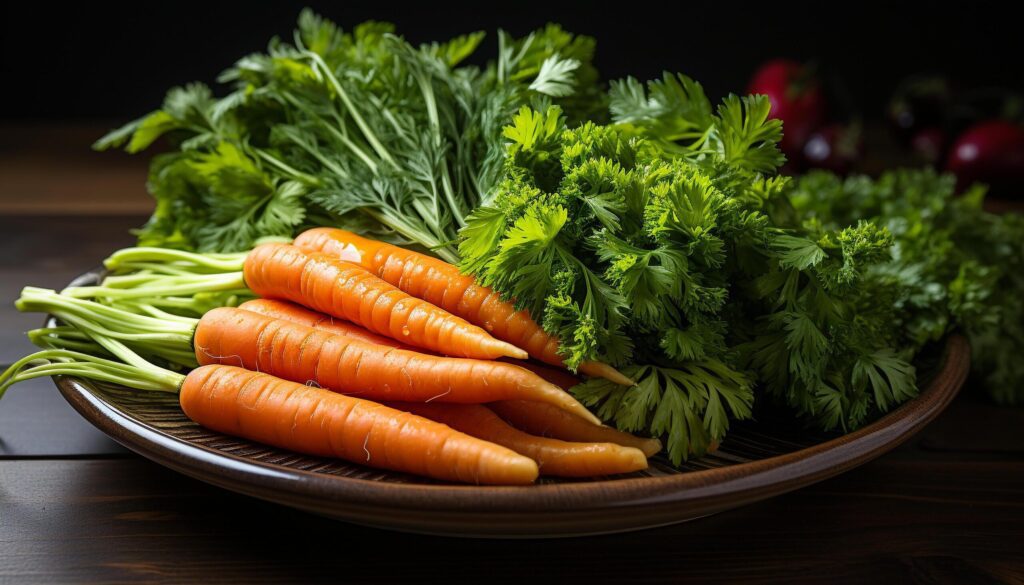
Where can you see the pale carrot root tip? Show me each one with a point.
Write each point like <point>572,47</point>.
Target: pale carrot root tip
<point>637,459</point>
<point>568,403</point>
<point>552,456</point>
<point>651,447</point>
<point>581,411</point>
<point>602,370</point>
<point>548,420</point>
<point>522,471</point>
<point>509,350</point>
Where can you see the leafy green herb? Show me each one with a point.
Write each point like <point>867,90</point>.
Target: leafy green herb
<point>664,241</point>
<point>953,264</point>
<point>358,129</point>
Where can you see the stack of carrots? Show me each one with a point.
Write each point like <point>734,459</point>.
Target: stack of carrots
<point>359,350</point>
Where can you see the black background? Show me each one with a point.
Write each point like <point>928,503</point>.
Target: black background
<point>112,61</point>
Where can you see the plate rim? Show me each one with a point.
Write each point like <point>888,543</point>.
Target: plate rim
<point>708,490</point>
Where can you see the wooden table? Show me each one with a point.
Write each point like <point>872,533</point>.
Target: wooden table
<point>948,507</point>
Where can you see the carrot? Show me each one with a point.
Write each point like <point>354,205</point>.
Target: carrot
<point>303,316</point>
<point>289,415</point>
<point>286,414</point>
<point>442,284</point>
<point>553,457</point>
<point>540,419</point>
<point>346,290</point>
<point>343,364</point>
<point>298,353</point>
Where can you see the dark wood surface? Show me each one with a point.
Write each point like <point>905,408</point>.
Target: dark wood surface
<point>759,460</point>
<point>947,507</point>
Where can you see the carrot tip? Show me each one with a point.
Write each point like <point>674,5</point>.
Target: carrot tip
<point>637,459</point>
<point>507,349</point>
<point>650,447</point>
<point>602,370</point>
<point>581,411</point>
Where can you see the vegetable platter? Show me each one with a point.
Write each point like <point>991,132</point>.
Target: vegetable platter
<point>386,285</point>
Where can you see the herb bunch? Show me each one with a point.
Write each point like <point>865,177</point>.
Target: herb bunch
<point>954,265</point>
<point>356,129</point>
<point>664,243</point>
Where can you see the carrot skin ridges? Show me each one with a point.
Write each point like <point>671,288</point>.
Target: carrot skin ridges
<point>349,291</point>
<point>276,309</point>
<point>298,314</point>
<point>442,284</point>
<point>302,354</point>
<point>285,414</point>
<point>539,419</point>
<point>553,457</point>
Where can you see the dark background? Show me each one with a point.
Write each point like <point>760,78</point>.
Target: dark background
<point>113,61</point>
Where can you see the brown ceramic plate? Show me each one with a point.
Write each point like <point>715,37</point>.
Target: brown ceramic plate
<point>756,461</point>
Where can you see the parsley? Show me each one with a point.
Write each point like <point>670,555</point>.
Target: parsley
<point>953,266</point>
<point>662,243</point>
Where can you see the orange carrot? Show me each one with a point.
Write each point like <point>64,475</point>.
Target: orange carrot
<point>442,284</point>
<point>303,316</point>
<point>292,416</point>
<point>343,364</point>
<point>539,419</point>
<point>553,457</point>
<point>346,290</point>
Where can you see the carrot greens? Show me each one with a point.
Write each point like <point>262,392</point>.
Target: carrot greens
<point>357,129</point>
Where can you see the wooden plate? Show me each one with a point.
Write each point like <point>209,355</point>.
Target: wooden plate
<point>756,461</point>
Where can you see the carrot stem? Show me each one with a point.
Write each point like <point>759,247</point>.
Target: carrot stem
<point>105,325</point>
<point>57,362</point>
<point>166,256</point>
<point>167,286</point>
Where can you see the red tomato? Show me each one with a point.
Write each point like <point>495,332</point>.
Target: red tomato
<point>990,152</point>
<point>796,98</point>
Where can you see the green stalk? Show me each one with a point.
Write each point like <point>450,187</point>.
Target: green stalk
<point>421,237</point>
<point>64,337</point>
<point>281,165</point>
<point>63,362</point>
<point>363,126</point>
<point>198,306</point>
<point>215,262</point>
<point>113,327</point>
<point>430,101</point>
<point>343,138</point>
<point>169,286</point>
<point>143,308</point>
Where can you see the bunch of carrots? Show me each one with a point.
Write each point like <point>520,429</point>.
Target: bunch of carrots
<point>353,349</point>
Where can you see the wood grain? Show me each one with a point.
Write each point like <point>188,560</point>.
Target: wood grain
<point>47,251</point>
<point>888,522</point>
<point>36,421</point>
